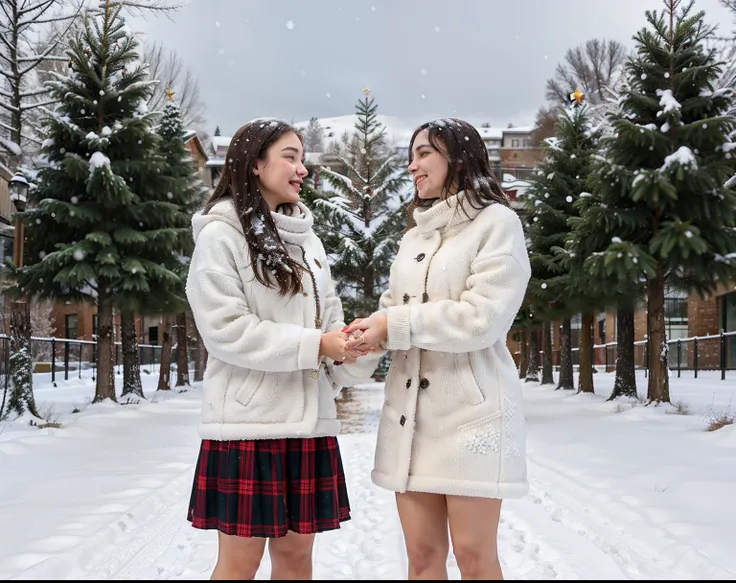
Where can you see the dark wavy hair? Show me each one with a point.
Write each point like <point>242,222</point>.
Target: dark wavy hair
<point>469,167</point>
<point>268,256</point>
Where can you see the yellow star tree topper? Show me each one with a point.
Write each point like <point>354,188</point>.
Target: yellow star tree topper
<point>577,96</point>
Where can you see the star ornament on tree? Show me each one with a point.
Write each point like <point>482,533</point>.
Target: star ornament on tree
<point>577,96</point>
<point>169,93</point>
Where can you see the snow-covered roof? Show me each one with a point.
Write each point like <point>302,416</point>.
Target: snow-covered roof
<point>218,141</point>
<point>518,130</point>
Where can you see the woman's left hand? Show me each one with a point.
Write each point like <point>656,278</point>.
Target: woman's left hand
<point>374,332</point>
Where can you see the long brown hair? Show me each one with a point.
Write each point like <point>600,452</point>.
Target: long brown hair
<point>469,166</point>
<point>268,256</point>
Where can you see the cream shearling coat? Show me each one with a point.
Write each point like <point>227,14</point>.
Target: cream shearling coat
<point>264,377</point>
<point>452,421</point>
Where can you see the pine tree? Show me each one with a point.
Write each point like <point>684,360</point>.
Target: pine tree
<point>368,216</point>
<point>188,192</point>
<point>100,227</point>
<point>550,203</point>
<point>217,131</point>
<point>313,137</point>
<point>665,214</point>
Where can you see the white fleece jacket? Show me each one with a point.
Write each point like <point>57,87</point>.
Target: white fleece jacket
<point>452,421</point>
<point>264,377</point>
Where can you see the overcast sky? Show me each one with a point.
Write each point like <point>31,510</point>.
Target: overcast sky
<point>483,60</point>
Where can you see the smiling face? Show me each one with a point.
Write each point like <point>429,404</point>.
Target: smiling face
<point>281,171</point>
<point>428,167</point>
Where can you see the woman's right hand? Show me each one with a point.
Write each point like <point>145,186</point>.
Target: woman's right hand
<point>333,345</point>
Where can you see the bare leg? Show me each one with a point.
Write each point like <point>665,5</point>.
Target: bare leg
<point>424,522</point>
<point>238,557</point>
<point>291,556</point>
<point>474,532</point>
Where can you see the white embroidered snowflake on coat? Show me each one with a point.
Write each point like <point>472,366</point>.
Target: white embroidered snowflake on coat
<point>482,440</point>
<point>513,425</point>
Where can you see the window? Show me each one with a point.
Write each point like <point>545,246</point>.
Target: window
<point>602,331</point>
<point>527,142</point>
<point>515,143</point>
<point>675,310</point>
<point>94,325</point>
<point>153,335</point>
<point>71,326</point>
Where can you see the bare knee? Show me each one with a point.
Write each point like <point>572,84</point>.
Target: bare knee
<point>238,558</point>
<point>235,568</point>
<point>291,556</point>
<point>426,556</point>
<point>473,560</point>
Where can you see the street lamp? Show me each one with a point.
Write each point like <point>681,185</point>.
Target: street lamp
<point>18,189</point>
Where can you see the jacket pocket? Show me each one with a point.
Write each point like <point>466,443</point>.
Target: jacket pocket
<point>468,383</point>
<point>249,386</point>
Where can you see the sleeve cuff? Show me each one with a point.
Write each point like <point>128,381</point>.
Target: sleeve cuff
<point>399,328</point>
<point>309,349</point>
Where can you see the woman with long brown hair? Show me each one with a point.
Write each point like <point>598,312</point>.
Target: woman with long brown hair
<point>259,286</point>
<point>451,439</point>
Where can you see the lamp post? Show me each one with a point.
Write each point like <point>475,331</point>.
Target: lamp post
<point>18,188</point>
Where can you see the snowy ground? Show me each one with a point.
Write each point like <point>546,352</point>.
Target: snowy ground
<point>618,490</point>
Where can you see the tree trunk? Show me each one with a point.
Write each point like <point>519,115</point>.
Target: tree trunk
<point>182,352</point>
<point>547,376</point>
<point>625,383</point>
<point>567,377</point>
<point>585,376</point>
<point>164,374</point>
<point>21,400</point>
<point>199,359</point>
<point>105,387</point>
<point>131,365</point>
<point>532,370</point>
<point>523,353</point>
<point>659,385</point>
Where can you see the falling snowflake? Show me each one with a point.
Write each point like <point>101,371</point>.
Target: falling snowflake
<point>544,286</point>
<point>79,255</point>
<point>328,94</point>
<point>436,28</point>
<point>217,23</point>
<point>290,24</point>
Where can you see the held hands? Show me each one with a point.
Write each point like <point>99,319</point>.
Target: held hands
<point>374,333</point>
<point>334,345</point>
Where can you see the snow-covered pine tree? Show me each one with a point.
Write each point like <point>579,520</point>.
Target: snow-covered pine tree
<point>665,214</point>
<point>100,227</point>
<point>368,216</point>
<point>189,193</point>
<point>550,203</point>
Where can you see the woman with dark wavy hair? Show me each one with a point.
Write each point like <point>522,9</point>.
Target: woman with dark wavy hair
<point>451,440</point>
<point>259,286</point>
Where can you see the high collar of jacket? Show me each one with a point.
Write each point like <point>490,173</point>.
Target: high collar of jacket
<point>445,213</point>
<point>293,222</point>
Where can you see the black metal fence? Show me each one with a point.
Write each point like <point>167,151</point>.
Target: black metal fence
<point>697,353</point>
<point>64,358</point>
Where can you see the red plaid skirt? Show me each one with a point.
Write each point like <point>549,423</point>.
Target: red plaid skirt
<point>266,487</point>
